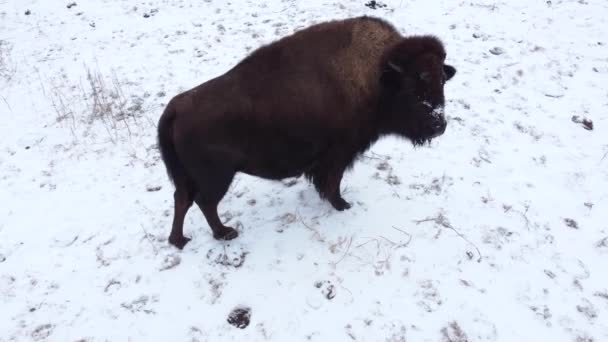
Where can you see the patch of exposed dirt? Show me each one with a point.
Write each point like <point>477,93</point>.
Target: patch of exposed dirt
<point>240,317</point>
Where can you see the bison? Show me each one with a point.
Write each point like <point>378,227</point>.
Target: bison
<point>309,103</point>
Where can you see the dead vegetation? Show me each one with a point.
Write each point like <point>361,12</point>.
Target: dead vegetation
<point>7,67</point>
<point>96,98</point>
<point>442,221</point>
<point>376,251</point>
<point>107,102</point>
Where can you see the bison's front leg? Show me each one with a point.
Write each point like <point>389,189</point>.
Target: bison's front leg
<point>339,203</point>
<point>327,177</point>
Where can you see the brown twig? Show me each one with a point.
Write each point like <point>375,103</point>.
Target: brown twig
<point>147,237</point>
<point>428,219</point>
<point>524,215</point>
<point>406,233</point>
<point>317,235</point>
<point>443,221</point>
<point>350,242</point>
<point>110,284</point>
<point>9,106</point>
<point>368,241</point>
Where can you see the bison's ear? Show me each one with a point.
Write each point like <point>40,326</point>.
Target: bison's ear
<point>392,74</point>
<point>449,70</point>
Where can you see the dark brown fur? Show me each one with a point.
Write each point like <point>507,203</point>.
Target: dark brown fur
<point>308,104</point>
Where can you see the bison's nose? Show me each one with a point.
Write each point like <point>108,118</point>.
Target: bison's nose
<point>440,126</point>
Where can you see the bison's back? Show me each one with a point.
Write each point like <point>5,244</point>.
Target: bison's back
<point>329,65</point>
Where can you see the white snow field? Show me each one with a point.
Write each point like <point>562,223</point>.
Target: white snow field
<point>497,231</point>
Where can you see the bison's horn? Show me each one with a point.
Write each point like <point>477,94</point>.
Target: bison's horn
<point>395,67</point>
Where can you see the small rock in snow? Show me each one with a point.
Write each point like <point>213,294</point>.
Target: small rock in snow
<point>571,223</point>
<point>153,188</point>
<point>373,4</point>
<point>497,51</point>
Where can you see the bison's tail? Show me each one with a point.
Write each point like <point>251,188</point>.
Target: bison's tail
<point>175,169</point>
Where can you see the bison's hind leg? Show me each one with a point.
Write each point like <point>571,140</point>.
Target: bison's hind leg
<point>185,191</point>
<point>213,179</point>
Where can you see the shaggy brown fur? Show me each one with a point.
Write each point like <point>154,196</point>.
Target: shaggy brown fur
<point>308,104</point>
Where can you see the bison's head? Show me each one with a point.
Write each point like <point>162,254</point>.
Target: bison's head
<point>413,77</point>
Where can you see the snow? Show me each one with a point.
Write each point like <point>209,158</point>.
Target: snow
<point>496,232</point>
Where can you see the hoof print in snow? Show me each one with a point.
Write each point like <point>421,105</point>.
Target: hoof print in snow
<point>602,244</point>
<point>240,317</point>
<point>152,13</point>
<point>453,333</point>
<point>171,261</point>
<point>586,123</point>
<point>383,166</point>
<point>235,259</point>
<point>373,4</point>
<point>392,179</point>
<point>584,338</point>
<point>543,312</point>
<point>497,51</point>
<point>140,305</point>
<point>284,221</point>
<point>571,223</point>
<point>71,4</point>
<point>603,295</point>
<point>28,12</point>
<point>327,289</point>
<point>430,300</point>
<point>42,332</point>
<point>588,310</point>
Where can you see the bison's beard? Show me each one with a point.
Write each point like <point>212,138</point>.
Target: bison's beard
<point>421,141</point>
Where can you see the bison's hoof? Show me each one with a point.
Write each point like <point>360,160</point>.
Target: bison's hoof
<point>226,233</point>
<point>178,241</point>
<point>340,204</point>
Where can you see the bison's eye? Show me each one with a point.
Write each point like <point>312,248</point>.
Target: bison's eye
<point>425,76</point>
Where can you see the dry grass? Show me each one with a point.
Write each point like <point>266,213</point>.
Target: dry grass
<point>7,67</point>
<point>107,102</point>
<point>97,98</point>
<point>64,112</point>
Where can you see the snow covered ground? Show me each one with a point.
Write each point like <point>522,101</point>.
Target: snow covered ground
<point>496,232</point>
